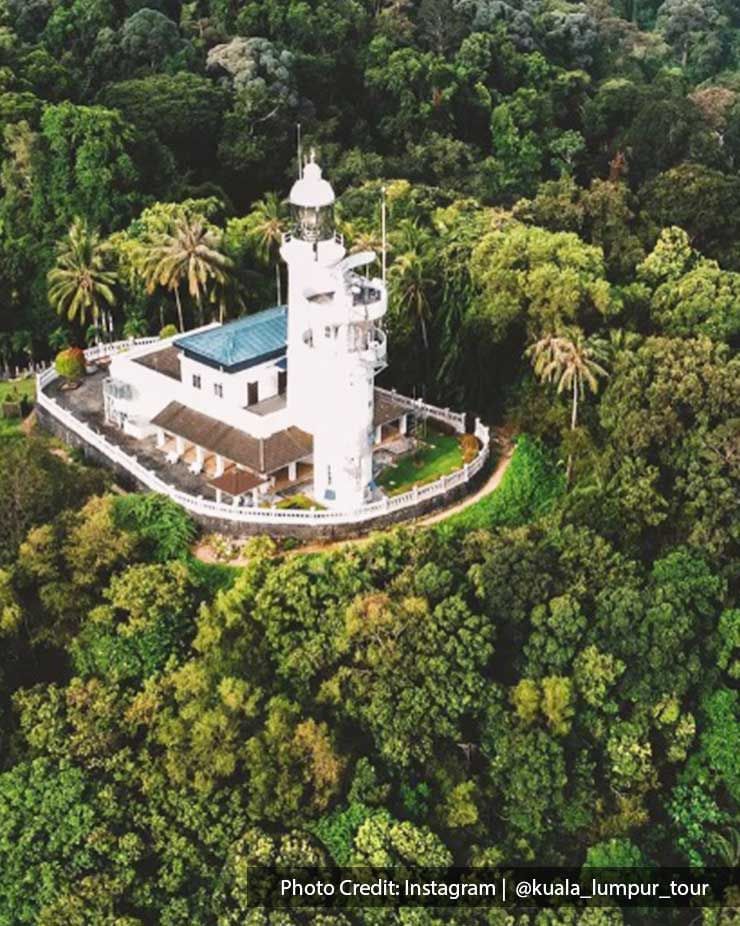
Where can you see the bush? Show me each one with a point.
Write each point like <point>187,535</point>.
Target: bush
<point>70,364</point>
<point>169,331</point>
<point>529,488</point>
<point>469,447</point>
<point>166,529</point>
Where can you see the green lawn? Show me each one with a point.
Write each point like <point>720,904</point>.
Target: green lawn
<point>26,387</point>
<point>440,456</point>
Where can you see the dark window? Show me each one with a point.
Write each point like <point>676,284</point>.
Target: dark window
<point>253,393</point>
<point>196,381</point>
<point>282,382</point>
<point>218,390</point>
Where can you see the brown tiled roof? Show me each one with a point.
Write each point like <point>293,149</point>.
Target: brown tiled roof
<point>386,409</point>
<point>166,361</point>
<point>262,455</point>
<point>237,481</point>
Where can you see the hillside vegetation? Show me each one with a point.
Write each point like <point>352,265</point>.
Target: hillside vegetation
<point>549,677</point>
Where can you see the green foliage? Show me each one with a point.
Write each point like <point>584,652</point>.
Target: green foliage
<point>615,853</point>
<point>337,831</point>
<point>548,676</point>
<point>145,624</point>
<point>35,486</point>
<point>162,525</point>
<point>70,364</point>
<point>530,486</point>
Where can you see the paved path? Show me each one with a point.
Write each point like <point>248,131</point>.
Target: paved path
<point>493,482</point>
<point>203,552</point>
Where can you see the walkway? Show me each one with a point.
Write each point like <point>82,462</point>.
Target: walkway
<point>203,552</point>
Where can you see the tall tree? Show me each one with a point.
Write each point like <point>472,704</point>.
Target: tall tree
<point>572,363</point>
<point>266,225</point>
<point>411,277</point>
<point>190,253</point>
<point>81,285</point>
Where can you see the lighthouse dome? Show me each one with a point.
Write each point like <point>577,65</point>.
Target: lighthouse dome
<point>312,191</point>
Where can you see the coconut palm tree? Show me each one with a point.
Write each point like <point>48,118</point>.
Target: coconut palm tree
<point>81,285</point>
<point>227,293</point>
<point>573,364</point>
<point>188,254</point>
<point>266,225</point>
<point>410,275</point>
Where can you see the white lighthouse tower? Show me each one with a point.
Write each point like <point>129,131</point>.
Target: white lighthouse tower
<point>336,345</point>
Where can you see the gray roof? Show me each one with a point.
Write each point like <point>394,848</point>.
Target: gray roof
<point>387,409</point>
<point>166,361</point>
<point>242,343</point>
<point>262,455</point>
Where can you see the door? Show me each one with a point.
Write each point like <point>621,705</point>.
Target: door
<point>253,393</point>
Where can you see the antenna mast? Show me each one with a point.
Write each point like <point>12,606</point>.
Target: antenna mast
<point>383,225</point>
<point>300,150</point>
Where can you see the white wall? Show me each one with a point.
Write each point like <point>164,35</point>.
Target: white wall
<point>330,389</point>
<point>234,384</point>
<point>153,391</point>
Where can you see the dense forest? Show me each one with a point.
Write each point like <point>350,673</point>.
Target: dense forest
<point>549,677</point>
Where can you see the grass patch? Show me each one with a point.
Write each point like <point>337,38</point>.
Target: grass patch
<point>530,487</point>
<point>25,387</point>
<point>11,427</point>
<point>439,456</point>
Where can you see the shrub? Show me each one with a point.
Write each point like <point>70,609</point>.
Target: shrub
<point>166,529</point>
<point>70,364</point>
<point>169,331</point>
<point>469,447</point>
<point>529,488</point>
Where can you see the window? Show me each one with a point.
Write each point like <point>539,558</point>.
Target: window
<point>253,393</point>
<point>218,390</point>
<point>328,475</point>
<point>196,381</point>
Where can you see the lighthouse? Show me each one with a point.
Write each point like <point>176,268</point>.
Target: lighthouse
<point>335,344</point>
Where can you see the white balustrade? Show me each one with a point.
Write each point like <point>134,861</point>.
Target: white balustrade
<point>226,512</point>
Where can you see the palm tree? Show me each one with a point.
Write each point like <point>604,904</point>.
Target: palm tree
<point>228,294</point>
<point>266,226</point>
<point>81,284</point>
<point>410,277</point>
<point>189,253</point>
<point>136,326</point>
<point>58,339</point>
<point>573,363</point>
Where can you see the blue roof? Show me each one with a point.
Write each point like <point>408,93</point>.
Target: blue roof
<point>242,343</point>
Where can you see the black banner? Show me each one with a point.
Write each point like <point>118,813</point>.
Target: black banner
<point>359,888</point>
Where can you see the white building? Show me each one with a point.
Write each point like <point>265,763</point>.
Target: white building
<point>282,398</point>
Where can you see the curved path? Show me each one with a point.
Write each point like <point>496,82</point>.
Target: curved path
<point>203,552</point>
